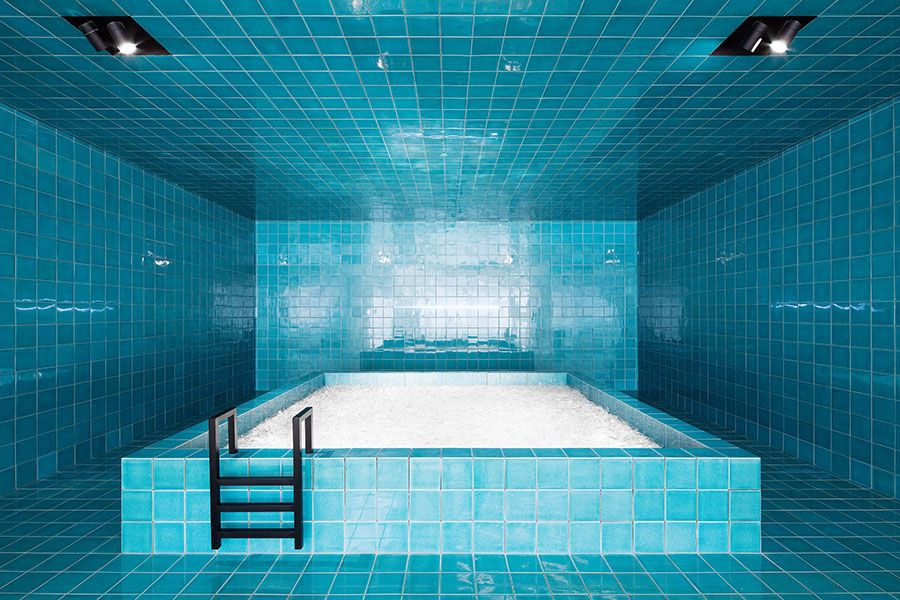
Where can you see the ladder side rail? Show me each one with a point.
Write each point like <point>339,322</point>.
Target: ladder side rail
<point>215,513</point>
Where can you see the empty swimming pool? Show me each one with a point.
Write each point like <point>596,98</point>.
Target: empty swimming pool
<point>451,416</point>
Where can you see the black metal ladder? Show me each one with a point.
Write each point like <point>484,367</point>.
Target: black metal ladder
<point>216,482</point>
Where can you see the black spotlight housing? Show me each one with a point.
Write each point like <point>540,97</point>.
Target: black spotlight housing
<point>759,31</point>
<point>93,35</point>
<point>117,35</point>
<point>756,36</point>
<point>787,33</point>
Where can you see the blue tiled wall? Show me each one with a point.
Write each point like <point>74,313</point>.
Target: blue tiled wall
<point>768,303</point>
<point>126,303</point>
<point>350,296</point>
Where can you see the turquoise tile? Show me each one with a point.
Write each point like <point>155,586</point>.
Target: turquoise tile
<point>328,473</point>
<point>394,506</point>
<point>552,473</point>
<point>681,473</point>
<point>328,537</point>
<point>553,538</point>
<point>234,467</point>
<point>712,505</point>
<point>616,473</point>
<point>744,474</point>
<point>425,537</point>
<point>168,474</point>
<point>712,538</point>
<point>488,505</point>
<point>489,473</point>
<point>360,505</point>
<point>552,505</point>
<point>584,473</point>
<point>793,492</point>
<point>359,473</point>
<point>521,474</point>
<point>328,506</point>
<point>616,505</point>
<point>168,538</point>
<point>137,537</point>
<point>266,467</point>
<point>649,537</point>
<point>425,473</point>
<point>488,537</point>
<point>393,473</point>
<point>649,473</point>
<point>197,538</point>
<point>196,506</point>
<point>617,538</point>
<point>168,506</point>
<point>137,506</point>
<point>456,537</point>
<point>649,505</point>
<point>814,244</point>
<point>425,506</point>
<point>584,537</point>
<point>745,537</point>
<point>456,473</point>
<point>137,474</point>
<point>521,538</point>
<point>681,505</point>
<point>196,474</point>
<point>584,505</point>
<point>393,537</point>
<point>681,536</point>
<point>744,506</point>
<point>360,537</point>
<point>712,474</point>
<point>457,505</point>
<point>520,505</point>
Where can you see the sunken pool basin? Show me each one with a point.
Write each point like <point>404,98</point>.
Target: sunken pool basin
<point>451,416</point>
<point>618,476</point>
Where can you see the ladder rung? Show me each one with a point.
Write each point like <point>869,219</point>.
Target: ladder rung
<point>256,506</point>
<point>257,533</point>
<point>256,481</point>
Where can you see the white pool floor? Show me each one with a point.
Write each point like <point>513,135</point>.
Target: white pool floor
<point>448,416</point>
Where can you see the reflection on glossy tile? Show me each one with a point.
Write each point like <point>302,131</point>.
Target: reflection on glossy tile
<point>770,301</point>
<point>126,303</point>
<point>546,296</point>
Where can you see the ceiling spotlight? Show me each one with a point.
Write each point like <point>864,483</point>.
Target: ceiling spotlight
<point>120,37</point>
<point>119,34</point>
<point>785,36</point>
<point>92,33</point>
<point>755,36</point>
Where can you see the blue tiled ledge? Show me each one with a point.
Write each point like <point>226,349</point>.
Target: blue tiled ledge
<point>694,494</point>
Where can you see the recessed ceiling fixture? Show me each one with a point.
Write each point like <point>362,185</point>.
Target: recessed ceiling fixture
<point>121,38</point>
<point>117,35</point>
<point>784,38</point>
<point>756,36</point>
<point>93,35</point>
<point>758,32</point>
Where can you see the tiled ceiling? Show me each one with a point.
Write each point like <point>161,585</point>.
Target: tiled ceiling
<point>459,109</point>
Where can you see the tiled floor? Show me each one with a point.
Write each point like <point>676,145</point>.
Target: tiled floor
<point>823,538</point>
